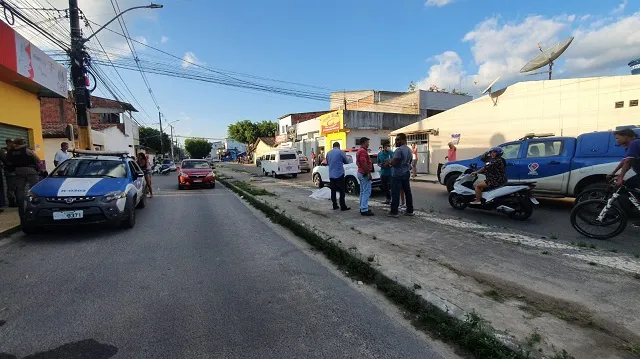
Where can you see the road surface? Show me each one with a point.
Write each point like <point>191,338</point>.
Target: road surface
<point>550,219</point>
<point>200,276</point>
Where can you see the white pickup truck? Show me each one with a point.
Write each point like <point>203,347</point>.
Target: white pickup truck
<point>321,174</point>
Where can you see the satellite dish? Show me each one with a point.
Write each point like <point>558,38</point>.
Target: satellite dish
<point>547,57</point>
<point>488,89</point>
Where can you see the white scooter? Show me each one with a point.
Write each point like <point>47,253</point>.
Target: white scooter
<point>156,169</point>
<point>513,199</point>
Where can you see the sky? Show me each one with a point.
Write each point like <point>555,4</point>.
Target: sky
<point>337,45</point>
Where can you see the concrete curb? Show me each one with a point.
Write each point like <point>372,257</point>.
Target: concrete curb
<point>437,310</point>
<point>9,231</point>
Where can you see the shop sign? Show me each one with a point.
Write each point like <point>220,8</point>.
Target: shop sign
<point>281,138</point>
<point>23,57</point>
<point>331,122</point>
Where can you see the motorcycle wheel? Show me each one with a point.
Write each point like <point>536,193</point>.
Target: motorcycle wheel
<point>457,201</point>
<point>524,209</point>
<point>587,211</point>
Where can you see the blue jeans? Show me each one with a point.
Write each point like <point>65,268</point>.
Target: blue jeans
<point>365,192</point>
<point>397,184</point>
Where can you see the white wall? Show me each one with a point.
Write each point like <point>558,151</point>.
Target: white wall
<point>231,144</point>
<point>376,138</point>
<point>115,140</point>
<point>303,128</point>
<point>283,124</point>
<point>131,129</point>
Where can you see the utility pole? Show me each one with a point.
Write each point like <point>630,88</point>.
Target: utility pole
<point>161,132</point>
<point>172,157</point>
<point>79,79</point>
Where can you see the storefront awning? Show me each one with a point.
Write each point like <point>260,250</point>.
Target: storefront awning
<point>24,65</point>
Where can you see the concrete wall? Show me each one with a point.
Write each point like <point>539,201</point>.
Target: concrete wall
<point>309,126</point>
<point>337,99</point>
<point>441,101</point>
<point>377,120</point>
<point>231,144</point>
<point>260,150</point>
<point>115,140</point>
<point>376,137</point>
<point>283,124</point>
<point>564,107</point>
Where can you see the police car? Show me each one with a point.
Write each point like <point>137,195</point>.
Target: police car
<point>93,187</point>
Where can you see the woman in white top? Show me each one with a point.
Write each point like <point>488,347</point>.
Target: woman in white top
<point>414,162</point>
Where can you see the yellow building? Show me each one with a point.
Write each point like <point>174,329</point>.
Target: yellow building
<point>262,146</point>
<point>566,107</point>
<point>26,74</point>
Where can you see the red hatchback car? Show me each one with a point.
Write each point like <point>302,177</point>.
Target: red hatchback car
<point>196,173</point>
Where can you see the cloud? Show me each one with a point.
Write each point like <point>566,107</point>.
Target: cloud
<point>164,40</point>
<point>447,73</point>
<point>602,46</point>
<point>620,8</point>
<point>190,59</point>
<point>438,3</point>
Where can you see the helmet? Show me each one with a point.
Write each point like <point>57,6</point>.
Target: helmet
<point>497,150</point>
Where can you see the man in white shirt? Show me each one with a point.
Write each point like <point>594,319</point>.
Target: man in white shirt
<point>62,155</point>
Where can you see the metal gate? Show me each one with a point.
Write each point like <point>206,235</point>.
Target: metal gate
<point>422,143</point>
<point>12,132</point>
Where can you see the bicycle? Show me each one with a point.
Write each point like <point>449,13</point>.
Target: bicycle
<point>604,212</point>
<point>600,191</point>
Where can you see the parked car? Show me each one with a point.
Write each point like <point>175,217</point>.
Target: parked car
<point>280,162</point>
<point>320,174</point>
<point>196,173</point>
<point>304,162</point>
<point>98,187</point>
<point>560,166</point>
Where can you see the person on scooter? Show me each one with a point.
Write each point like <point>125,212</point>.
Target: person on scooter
<point>495,171</point>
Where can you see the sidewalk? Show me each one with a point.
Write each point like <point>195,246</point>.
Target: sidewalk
<point>537,290</point>
<point>423,177</point>
<point>9,222</point>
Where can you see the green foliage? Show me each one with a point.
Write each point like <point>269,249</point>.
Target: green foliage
<point>150,137</point>
<point>246,131</point>
<point>198,147</point>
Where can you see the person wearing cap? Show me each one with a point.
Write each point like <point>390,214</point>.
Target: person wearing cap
<point>628,139</point>
<point>365,168</point>
<point>27,165</point>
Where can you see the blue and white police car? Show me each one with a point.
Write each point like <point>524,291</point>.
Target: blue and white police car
<point>95,187</point>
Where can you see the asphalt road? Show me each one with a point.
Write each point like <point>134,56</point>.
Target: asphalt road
<point>550,219</point>
<point>200,276</point>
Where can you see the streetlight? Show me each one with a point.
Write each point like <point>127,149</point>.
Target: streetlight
<point>150,6</point>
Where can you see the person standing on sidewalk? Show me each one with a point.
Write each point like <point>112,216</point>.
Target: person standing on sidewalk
<point>336,159</point>
<point>321,157</point>
<point>365,167</point>
<point>313,158</point>
<point>27,165</point>
<point>9,173</point>
<point>384,156</point>
<point>451,154</point>
<point>62,155</point>
<point>400,180</point>
<point>414,160</point>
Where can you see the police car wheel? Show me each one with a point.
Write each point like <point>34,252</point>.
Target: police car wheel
<point>130,221</point>
<point>143,201</point>
<point>29,229</point>
<point>451,179</point>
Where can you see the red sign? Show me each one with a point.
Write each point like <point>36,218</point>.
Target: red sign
<point>22,57</point>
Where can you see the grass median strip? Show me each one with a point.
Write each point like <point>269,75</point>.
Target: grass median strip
<point>251,189</point>
<point>471,334</point>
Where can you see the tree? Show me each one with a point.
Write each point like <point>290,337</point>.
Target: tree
<point>197,147</point>
<point>150,137</point>
<point>246,131</point>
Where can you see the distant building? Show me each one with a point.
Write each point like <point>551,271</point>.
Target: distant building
<point>635,66</point>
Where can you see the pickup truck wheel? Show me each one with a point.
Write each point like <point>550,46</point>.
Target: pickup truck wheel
<point>352,186</point>
<point>317,180</point>
<point>599,190</point>
<point>451,179</point>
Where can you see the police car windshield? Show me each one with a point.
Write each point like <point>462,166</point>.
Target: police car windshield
<point>91,168</point>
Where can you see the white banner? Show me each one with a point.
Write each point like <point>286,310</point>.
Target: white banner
<point>40,68</point>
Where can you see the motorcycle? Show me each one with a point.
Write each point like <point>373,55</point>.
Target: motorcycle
<point>156,169</point>
<point>513,199</point>
<point>165,170</point>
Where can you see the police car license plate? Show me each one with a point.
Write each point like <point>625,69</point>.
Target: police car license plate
<point>67,215</point>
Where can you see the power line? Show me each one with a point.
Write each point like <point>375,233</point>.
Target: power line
<point>20,15</point>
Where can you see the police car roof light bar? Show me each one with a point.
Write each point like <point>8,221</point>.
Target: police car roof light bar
<point>529,136</point>
<point>100,153</point>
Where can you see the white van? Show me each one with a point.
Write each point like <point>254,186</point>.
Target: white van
<point>280,162</point>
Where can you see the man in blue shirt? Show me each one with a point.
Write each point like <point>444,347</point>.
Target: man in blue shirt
<point>628,139</point>
<point>336,159</point>
<point>384,156</point>
<point>400,180</point>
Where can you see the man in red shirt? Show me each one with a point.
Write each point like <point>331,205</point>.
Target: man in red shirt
<point>365,168</point>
